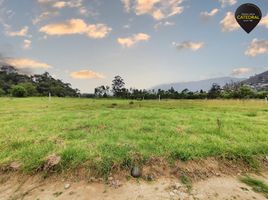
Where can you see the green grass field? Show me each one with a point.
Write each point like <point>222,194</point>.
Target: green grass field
<point>104,133</point>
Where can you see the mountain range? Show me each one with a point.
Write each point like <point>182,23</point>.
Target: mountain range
<point>258,81</point>
<point>198,85</point>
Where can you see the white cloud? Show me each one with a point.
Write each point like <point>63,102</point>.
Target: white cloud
<point>45,1</point>
<point>162,24</point>
<point>22,63</point>
<point>98,31</point>
<point>207,15</point>
<point>75,3</point>
<point>158,9</point>
<point>227,2</point>
<point>194,46</point>
<point>127,26</point>
<point>130,41</point>
<point>241,71</point>
<point>257,47</point>
<point>27,44</point>
<point>77,26</point>
<point>60,4</point>
<point>83,10</point>
<point>264,21</point>
<point>52,7</point>
<point>229,23</point>
<point>45,15</point>
<point>126,4</point>
<point>86,74</point>
<point>21,33</point>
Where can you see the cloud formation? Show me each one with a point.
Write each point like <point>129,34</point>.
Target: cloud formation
<point>162,24</point>
<point>130,41</point>
<point>264,21</point>
<point>77,26</point>
<point>207,15</point>
<point>59,4</point>
<point>22,63</point>
<point>158,9</point>
<point>86,74</point>
<point>21,33</point>
<point>194,46</point>
<point>27,44</point>
<point>241,71</point>
<point>257,47</point>
<point>45,15</point>
<point>229,23</point>
<point>227,2</point>
<point>51,8</point>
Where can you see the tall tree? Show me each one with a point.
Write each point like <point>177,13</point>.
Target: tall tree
<point>102,91</point>
<point>118,86</point>
<point>215,91</point>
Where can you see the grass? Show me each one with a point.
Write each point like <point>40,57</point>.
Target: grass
<point>101,134</point>
<point>185,180</point>
<point>256,185</point>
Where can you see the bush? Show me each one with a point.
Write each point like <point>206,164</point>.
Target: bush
<point>18,91</point>
<point>30,88</point>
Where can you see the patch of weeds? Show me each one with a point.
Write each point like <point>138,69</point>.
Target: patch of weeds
<point>251,161</point>
<point>80,127</point>
<point>113,157</point>
<point>185,180</point>
<point>127,163</point>
<point>131,103</point>
<point>252,114</point>
<point>33,156</point>
<point>248,160</point>
<point>113,105</point>
<point>15,145</point>
<point>181,155</point>
<point>101,167</point>
<point>219,124</point>
<point>72,157</point>
<point>56,194</point>
<point>147,129</point>
<point>256,185</point>
<point>75,135</point>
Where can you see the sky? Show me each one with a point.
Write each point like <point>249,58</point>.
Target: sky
<point>146,42</point>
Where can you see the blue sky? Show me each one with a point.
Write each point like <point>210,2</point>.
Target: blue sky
<point>147,42</point>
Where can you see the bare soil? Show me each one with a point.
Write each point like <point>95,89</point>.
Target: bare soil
<point>210,179</point>
<point>226,187</point>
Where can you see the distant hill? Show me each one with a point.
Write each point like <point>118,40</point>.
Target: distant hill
<point>198,85</point>
<point>258,81</point>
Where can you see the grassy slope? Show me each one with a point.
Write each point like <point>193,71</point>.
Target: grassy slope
<point>104,132</point>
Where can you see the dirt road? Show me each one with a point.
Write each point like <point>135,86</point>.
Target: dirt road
<point>33,188</point>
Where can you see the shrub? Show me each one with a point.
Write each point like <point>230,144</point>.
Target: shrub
<point>18,91</point>
<point>30,88</point>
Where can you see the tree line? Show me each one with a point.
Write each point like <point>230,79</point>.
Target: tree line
<point>12,83</point>
<point>229,91</point>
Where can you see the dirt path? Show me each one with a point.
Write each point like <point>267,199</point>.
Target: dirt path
<point>225,188</point>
